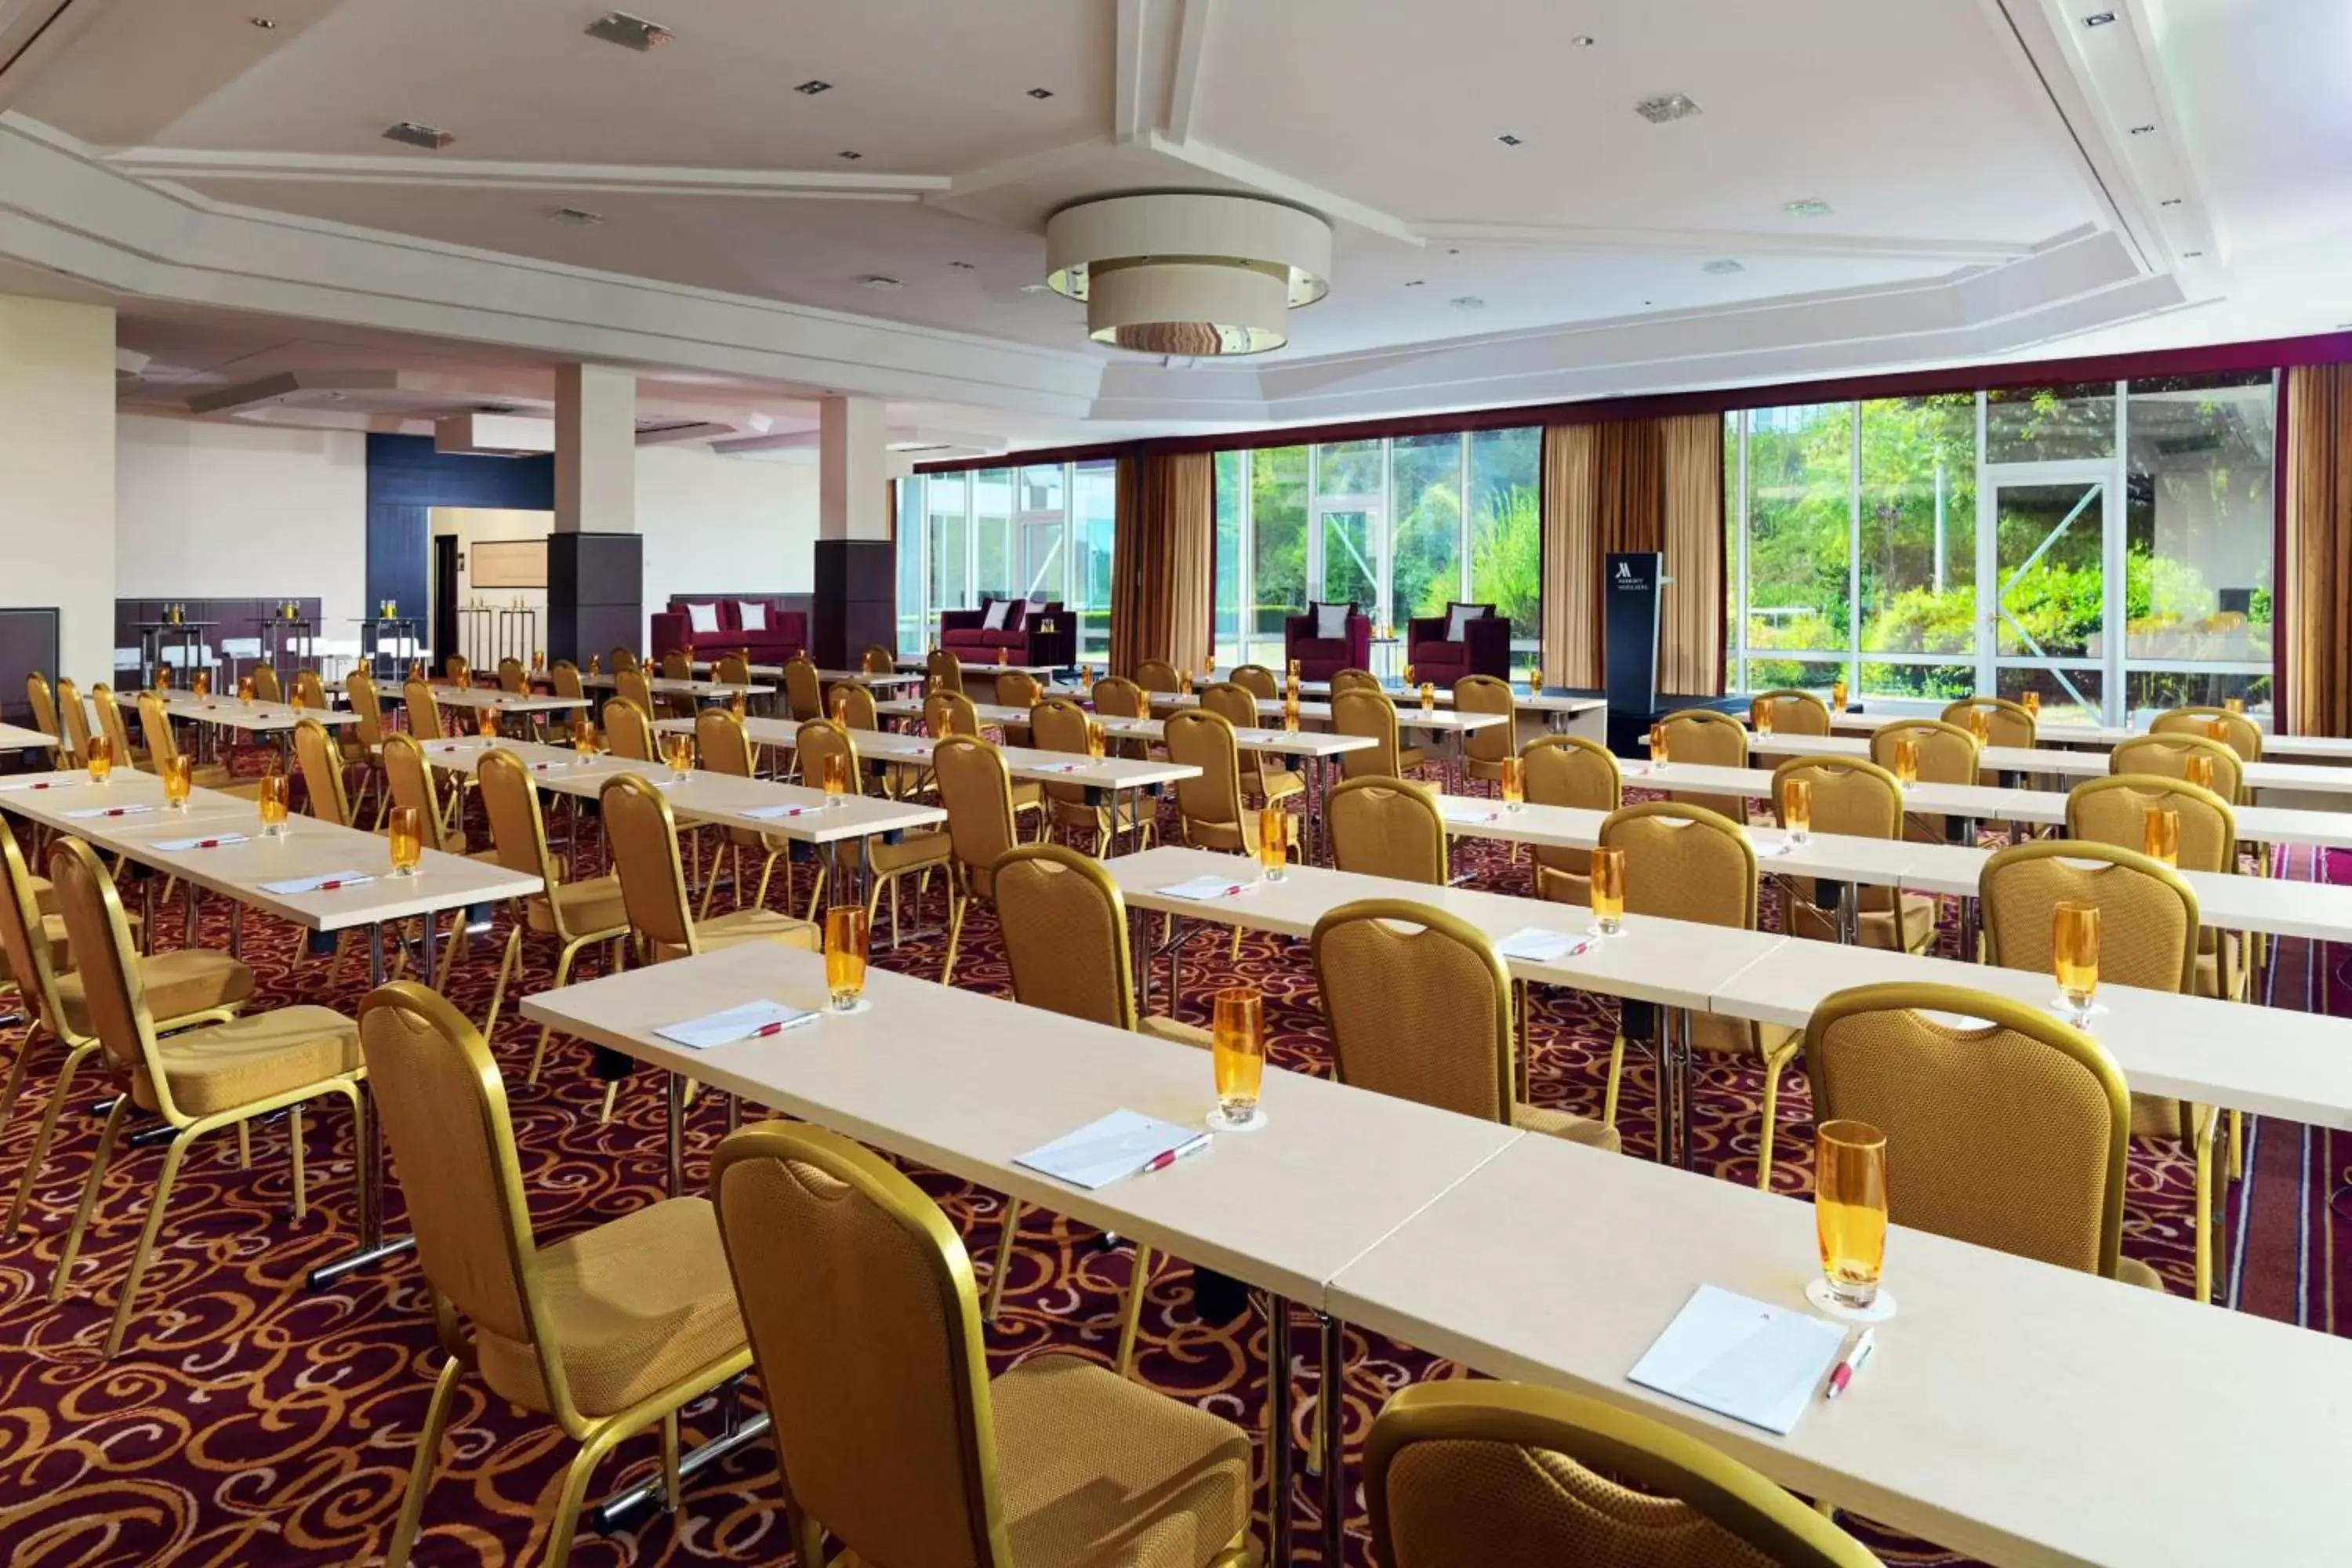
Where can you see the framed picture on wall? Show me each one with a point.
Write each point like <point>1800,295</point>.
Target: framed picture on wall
<point>508,563</point>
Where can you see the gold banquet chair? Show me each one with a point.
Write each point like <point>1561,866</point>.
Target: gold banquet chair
<point>1258,680</point>
<point>2245,736</point>
<point>575,913</point>
<point>1058,724</point>
<point>423,711</point>
<point>362,743</point>
<point>804,693</point>
<point>1355,679</point>
<point>977,792</point>
<point>1500,1474</point>
<point>73,713</point>
<point>1066,941</point>
<point>1793,713</point>
<point>920,850</point>
<point>2010,1126</point>
<point>1483,751</point>
<point>877,660</point>
<point>1017,688</point>
<point>1211,811</point>
<point>1157,675</point>
<point>2114,810</point>
<point>1854,799</point>
<point>609,1331</point>
<point>1569,770</point>
<point>2167,756</point>
<point>1686,863</point>
<point>628,731</point>
<point>865,1325</point>
<point>942,671</point>
<point>44,718</point>
<point>163,744</point>
<point>1387,828</point>
<point>266,684</point>
<point>725,748</point>
<point>110,724</point>
<point>1425,1015</point>
<point>1709,739</point>
<point>643,833</point>
<point>1947,754</point>
<point>220,1074</point>
<point>1362,712</point>
<point>1263,774</point>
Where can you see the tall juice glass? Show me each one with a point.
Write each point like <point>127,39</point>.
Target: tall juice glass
<point>1797,807</point>
<point>179,775</point>
<point>844,955</point>
<point>271,799</point>
<point>1514,784</point>
<point>1609,891</point>
<point>2074,956</point>
<point>98,757</point>
<point>406,834</point>
<point>1273,841</point>
<point>1237,1049</point>
<point>2159,835</point>
<point>1850,1209</point>
<point>1906,760</point>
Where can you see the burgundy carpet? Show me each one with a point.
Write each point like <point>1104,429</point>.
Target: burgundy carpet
<point>250,1421</point>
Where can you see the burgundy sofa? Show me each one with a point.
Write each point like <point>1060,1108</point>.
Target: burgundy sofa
<point>786,633</point>
<point>1484,647</point>
<point>1022,638</point>
<point>1320,658</point>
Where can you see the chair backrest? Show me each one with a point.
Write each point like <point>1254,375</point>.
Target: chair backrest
<point>1705,736</point>
<point>804,693</point>
<point>977,792</point>
<point>1018,689</point>
<point>98,932</point>
<point>2167,756</point>
<point>512,676</point>
<point>1115,697</point>
<point>1472,1475</point>
<point>2147,912</point>
<point>266,686</point>
<point>410,780</point>
<point>155,727</point>
<point>564,676</point>
<point>865,1322</point>
<point>620,661</point>
<point>2245,736</point>
<point>1354,680</point>
<point>632,686</point>
<point>1947,754</point>
<point>44,707</point>
<point>2114,810</point>
<point>949,714</point>
<point>852,707</point>
<point>2007,723</point>
<point>643,835</point>
<point>942,671</point>
<point>1793,713</point>
<point>1684,862</point>
<point>1213,800</point>
<point>1258,680</point>
<point>360,687</point>
<point>111,720</point>
<point>721,743</point>
<point>444,1104</point>
<point>2010,1130</point>
<point>1361,713</point>
<point>877,660</point>
<point>732,669</point>
<point>1387,828</point>
<point>821,737</point>
<point>309,689</point>
<point>1157,675</point>
<point>1851,797</point>
<point>518,827</point>
<point>74,713</point>
<point>457,670</point>
<point>23,946</point>
<point>1571,770</point>
<point>677,665</point>
<point>323,773</point>
<point>1487,694</point>
<point>1058,724</point>
<point>1233,700</point>
<point>1065,925</point>
<point>1423,1015</point>
<point>628,733</point>
<point>424,712</point>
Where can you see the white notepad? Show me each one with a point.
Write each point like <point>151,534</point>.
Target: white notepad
<point>324,880</point>
<point>1538,945</point>
<point>112,811</point>
<point>1110,1147</point>
<point>770,813</point>
<point>1469,813</point>
<point>1741,1358</point>
<point>724,1028</point>
<point>1205,890</point>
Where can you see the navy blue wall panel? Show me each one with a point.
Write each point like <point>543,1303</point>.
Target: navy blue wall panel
<point>407,478</point>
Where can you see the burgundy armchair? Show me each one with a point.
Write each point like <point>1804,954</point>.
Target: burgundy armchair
<point>1484,647</point>
<point>967,634</point>
<point>1321,658</point>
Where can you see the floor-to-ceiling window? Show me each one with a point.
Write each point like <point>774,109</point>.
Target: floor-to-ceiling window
<point>1401,526</point>
<point>2107,545</point>
<point>1042,531</point>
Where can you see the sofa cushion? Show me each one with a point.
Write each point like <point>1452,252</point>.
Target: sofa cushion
<point>991,615</point>
<point>1331,620</point>
<point>702,618</point>
<point>752,615</point>
<point>1458,617</point>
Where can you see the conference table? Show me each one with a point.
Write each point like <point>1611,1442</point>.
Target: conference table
<point>2017,1411</point>
<point>2067,732</point>
<point>16,737</point>
<point>1439,723</point>
<point>217,845</point>
<point>2031,762</point>
<point>1556,705</point>
<point>828,676</point>
<point>669,685</point>
<point>501,700</point>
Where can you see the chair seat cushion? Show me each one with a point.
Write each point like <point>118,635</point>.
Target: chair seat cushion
<point>44,895</point>
<point>1565,1125</point>
<point>634,1306</point>
<point>1275,783</point>
<point>1101,1471</point>
<point>740,926</point>
<point>177,983</point>
<point>246,1060</point>
<point>2132,1271</point>
<point>1718,1032</point>
<point>1160,1026</point>
<point>594,905</point>
<point>914,849</point>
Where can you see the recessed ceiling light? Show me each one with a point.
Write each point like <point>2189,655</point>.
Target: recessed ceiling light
<point>416,135</point>
<point>2142,130</point>
<point>1035,288</point>
<point>1807,206</point>
<point>1507,140</point>
<point>852,157</point>
<point>630,32</point>
<point>1581,41</point>
<point>264,23</point>
<point>1041,92</point>
<point>1667,106</point>
<point>2192,255</point>
<point>579,217</point>
<point>1467,302</point>
<point>876,280</point>
<point>1414,282</point>
<point>960,266</point>
<point>812,87</point>
<point>2171,202</point>
<point>1724,267</point>
<point>2099,19</point>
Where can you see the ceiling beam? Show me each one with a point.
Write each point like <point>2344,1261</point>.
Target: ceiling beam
<point>1191,42</point>
<point>1128,115</point>
<point>1285,188</point>
<point>484,173</point>
<point>1720,242</point>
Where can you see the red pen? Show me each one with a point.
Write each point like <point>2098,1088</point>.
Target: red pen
<point>1850,1363</point>
<point>330,885</point>
<point>1162,1160</point>
<point>211,843</point>
<point>764,1030</point>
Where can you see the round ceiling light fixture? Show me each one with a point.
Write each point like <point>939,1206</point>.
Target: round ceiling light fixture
<point>1188,273</point>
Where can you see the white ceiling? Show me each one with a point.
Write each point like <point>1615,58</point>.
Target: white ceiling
<point>1988,195</point>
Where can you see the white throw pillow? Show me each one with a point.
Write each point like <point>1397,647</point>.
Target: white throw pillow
<point>1458,619</point>
<point>702,617</point>
<point>753,614</point>
<point>1330,621</point>
<point>992,619</point>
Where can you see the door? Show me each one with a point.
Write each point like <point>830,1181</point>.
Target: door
<point>444,635</point>
<point>2049,585</point>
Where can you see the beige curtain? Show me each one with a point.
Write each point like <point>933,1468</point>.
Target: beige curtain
<point>1164,560</point>
<point>1634,484</point>
<point>2317,570</point>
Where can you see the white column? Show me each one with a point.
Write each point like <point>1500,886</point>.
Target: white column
<point>853,467</point>
<point>596,449</point>
<point>56,466</point>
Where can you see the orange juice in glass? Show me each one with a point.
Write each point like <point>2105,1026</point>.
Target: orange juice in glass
<point>1609,891</point>
<point>2160,836</point>
<point>1797,808</point>
<point>2031,702</point>
<point>100,758</point>
<point>179,775</point>
<point>845,956</point>
<point>835,776</point>
<point>1906,760</point>
<point>740,705</point>
<point>163,678</point>
<point>1183,683</point>
<point>2196,768</point>
<point>1428,696</point>
<point>1514,784</point>
<point>680,751</point>
<point>406,834</point>
<point>1837,695</point>
<point>485,722</point>
<point>2233,705</point>
<point>270,798</point>
<point>1762,718</point>
<point>583,740</point>
<point>1657,745</point>
<point>2075,957</point>
<point>202,685</point>
<point>1097,739</point>
<point>1977,726</point>
<point>1535,682</point>
<point>1290,712</point>
<point>1273,842</point>
<point>245,690</point>
<point>1849,1210</point>
<point>1237,1051</point>
<point>294,698</point>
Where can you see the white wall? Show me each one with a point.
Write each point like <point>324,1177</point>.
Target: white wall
<point>57,473</point>
<point>211,510</point>
<point>713,523</point>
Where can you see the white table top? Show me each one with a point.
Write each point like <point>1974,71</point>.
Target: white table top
<point>308,849</point>
<point>703,796</point>
<point>1285,742</point>
<point>662,686</point>
<point>14,735</point>
<point>1671,962</point>
<point>1408,716</point>
<point>2059,733</point>
<point>478,697</point>
<point>986,712</point>
<point>2015,1411</point>
<point>257,716</point>
<point>1021,762</point>
<point>965,1083</point>
<point>1982,802</point>
<point>1532,702</point>
<point>968,667</point>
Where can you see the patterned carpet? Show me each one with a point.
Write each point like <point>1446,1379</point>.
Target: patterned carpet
<point>250,1421</point>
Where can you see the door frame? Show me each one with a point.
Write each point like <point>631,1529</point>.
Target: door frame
<point>1991,480</point>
